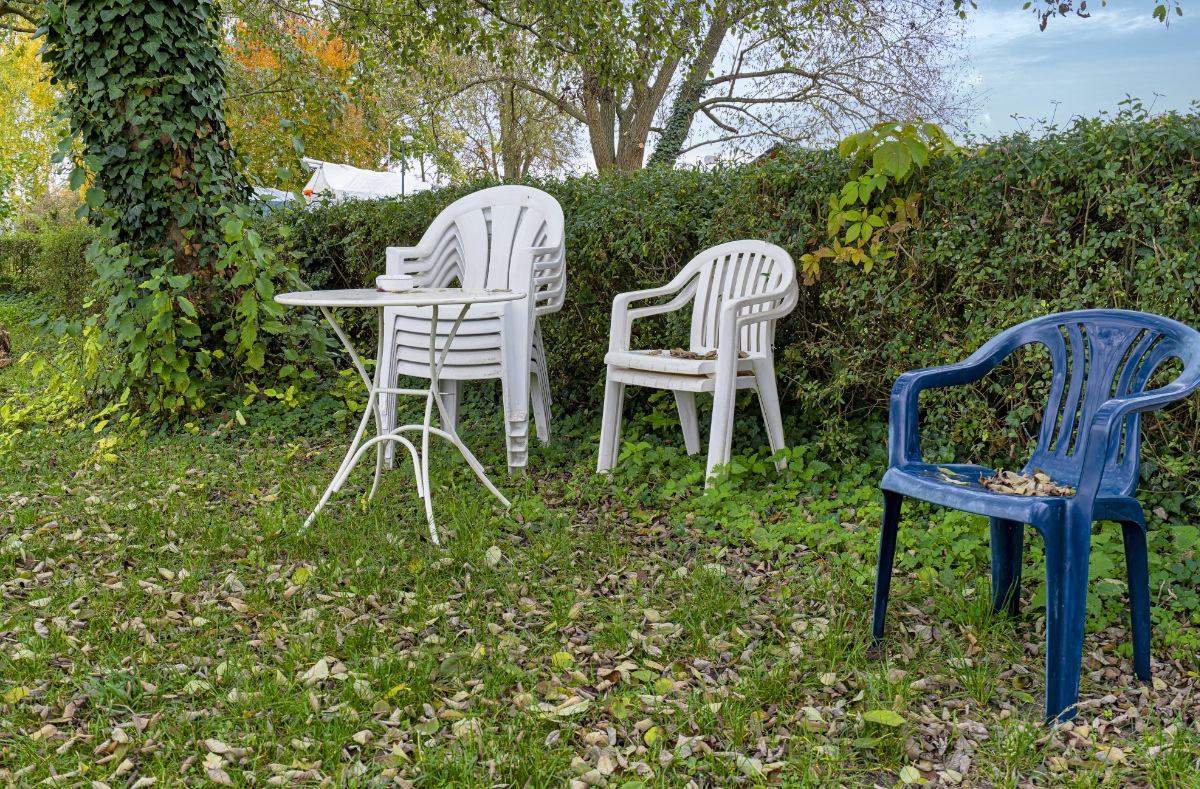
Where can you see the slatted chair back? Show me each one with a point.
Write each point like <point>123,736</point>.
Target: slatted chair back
<point>484,240</point>
<point>735,270</point>
<point>1097,355</point>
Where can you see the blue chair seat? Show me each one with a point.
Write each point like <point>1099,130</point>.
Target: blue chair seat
<point>1102,362</point>
<point>926,482</point>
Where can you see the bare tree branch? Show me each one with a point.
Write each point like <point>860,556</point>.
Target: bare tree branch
<point>562,104</point>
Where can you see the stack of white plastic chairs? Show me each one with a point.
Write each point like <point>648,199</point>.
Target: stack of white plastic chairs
<point>506,237</point>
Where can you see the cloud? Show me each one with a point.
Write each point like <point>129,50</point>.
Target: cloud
<point>998,25</point>
<point>1078,66</point>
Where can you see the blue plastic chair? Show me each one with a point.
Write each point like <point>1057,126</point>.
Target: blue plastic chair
<point>1089,440</point>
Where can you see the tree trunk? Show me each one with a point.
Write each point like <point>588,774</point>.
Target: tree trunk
<point>619,132</point>
<point>679,123</point>
<point>510,146</point>
<point>683,110</point>
<point>600,109</point>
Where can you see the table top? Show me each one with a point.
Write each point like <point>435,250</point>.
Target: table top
<point>418,297</point>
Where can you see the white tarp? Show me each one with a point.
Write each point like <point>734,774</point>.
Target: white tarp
<point>342,181</point>
<point>274,198</point>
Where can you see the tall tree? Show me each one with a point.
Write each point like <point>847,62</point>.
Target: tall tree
<point>620,61</point>
<point>850,65</point>
<point>20,16</point>
<point>29,129</point>
<point>189,289</point>
<point>504,130</point>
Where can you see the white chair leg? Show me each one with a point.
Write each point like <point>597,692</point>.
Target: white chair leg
<point>388,403</point>
<point>540,387</point>
<point>515,359</point>
<point>686,403</point>
<point>451,390</point>
<point>768,398</point>
<point>610,426</point>
<point>516,425</point>
<point>720,438</point>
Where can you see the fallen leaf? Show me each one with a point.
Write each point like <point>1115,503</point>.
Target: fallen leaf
<point>216,746</point>
<point>15,694</point>
<point>884,717</point>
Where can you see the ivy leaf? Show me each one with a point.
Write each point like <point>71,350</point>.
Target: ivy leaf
<point>94,197</point>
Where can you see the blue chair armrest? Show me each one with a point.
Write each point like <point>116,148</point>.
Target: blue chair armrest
<point>1104,434</point>
<point>904,434</point>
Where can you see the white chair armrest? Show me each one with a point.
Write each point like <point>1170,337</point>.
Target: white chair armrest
<point>396,257</point>
<point>623,317</point>
<point>786,299</point>
<point>731,323</point>
<point>657,309</point>
<point>552,257</point>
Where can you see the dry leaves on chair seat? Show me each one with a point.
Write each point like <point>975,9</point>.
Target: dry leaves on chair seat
<point>1013,483</point>
<point>680,353</point>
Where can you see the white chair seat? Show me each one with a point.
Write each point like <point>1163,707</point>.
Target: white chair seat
<point>664,362</point>
<point>677,383</point>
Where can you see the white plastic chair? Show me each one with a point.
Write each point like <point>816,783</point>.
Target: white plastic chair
<point>503,237</point>
<point>740,289</point>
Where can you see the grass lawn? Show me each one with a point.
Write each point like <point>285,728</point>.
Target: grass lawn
<point>163,622</point>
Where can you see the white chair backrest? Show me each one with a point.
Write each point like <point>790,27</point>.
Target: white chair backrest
<point>731,271</point>
<point>485,240</point>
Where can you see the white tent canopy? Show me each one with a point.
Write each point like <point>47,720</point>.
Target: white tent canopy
<point>341,181</point>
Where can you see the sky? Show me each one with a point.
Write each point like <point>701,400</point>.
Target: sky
<point>1088,65</point>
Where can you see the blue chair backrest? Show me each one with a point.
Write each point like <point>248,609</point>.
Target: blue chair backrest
<point>1097,355</point>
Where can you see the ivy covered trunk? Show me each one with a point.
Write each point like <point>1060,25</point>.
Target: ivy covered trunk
<point>189,288</point>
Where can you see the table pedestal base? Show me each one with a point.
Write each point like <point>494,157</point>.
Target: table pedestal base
<point>420,458</point>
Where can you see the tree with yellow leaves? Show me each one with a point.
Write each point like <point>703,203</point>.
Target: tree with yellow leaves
<point>29,132</point>
<point>298,90</point>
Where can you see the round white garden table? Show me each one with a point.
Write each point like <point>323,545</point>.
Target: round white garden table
<point>378,300</point>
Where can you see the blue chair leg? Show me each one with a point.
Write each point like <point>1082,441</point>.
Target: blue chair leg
<point>1068,545</point>
<point>1008,545</point>
<point>887,554</point>
<point>1138,575</point>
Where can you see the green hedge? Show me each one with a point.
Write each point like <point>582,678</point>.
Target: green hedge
<point>18,255</point>
<point>52,261</point>
<point>1101,214</point>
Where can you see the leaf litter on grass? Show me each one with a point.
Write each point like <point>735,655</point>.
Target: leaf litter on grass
<point>183,632</point>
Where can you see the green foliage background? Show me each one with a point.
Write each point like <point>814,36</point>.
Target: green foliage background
<point>189,312</point>
<point>1105,213</point>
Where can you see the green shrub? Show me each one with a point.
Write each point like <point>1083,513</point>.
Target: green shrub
<point>1105,213</point>
<point>52,261</point>
<point>18,256</point>
<point>63,271</point>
